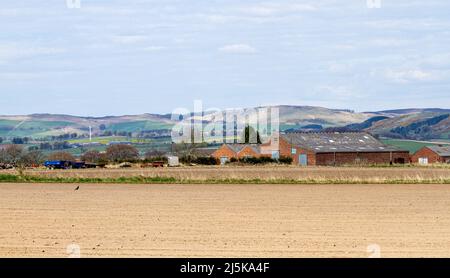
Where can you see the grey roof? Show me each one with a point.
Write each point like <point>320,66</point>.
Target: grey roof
<point>326,142</point>
<point>204,151</point>
<point>440,150</point>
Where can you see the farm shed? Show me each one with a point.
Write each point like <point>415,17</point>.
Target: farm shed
<point>432,154</point>
<point>336,148</point>
<point>173,161</point>
<point>228,151</point>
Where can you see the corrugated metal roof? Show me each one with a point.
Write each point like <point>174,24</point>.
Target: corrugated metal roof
<point>440,150</point>
<point>325,142</point>
<point>203,151</point>
<point>238,147</point>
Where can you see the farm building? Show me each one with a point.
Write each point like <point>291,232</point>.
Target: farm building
<point>432,154</point>
<point>228,151</point>
<point>336,148</point>
<point>320,148</point>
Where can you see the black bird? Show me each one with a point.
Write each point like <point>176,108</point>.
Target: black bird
<point>78,187</point>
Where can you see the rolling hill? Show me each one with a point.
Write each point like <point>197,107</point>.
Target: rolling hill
<point>47,125</point>
<point>417,124</point>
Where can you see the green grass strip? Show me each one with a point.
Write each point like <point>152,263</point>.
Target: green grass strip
<point>10,178</point>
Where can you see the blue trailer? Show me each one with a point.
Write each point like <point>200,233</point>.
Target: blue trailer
<point>62,164</point>
<point>77,165</point>
<point>57,164</point>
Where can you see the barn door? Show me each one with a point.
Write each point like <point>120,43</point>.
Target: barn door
<point>423,160</point>
<point>303,160</point>
<point>223,160</point>
<point>275,154</point>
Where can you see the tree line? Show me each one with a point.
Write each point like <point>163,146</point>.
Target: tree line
<point>17,155</point>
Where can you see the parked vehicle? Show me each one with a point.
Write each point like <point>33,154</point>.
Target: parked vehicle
<point>77,165</point>
<point>62,164</point>
<point>57,164</point>
<point>91,165</point>
<point>173,161</point>
<point>157,164</point>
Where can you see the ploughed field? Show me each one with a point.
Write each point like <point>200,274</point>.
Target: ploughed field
<point>193,220</point>
<point>324,174</point>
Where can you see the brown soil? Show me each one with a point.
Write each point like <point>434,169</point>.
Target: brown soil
<point>41,220</point>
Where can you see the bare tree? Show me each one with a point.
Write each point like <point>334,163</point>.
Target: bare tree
<point>93,156</point>
<point>121,153</point>
<point>33,158</point>
<point>12,154</point>
<point>153,153</point>
<point>187,149</point>
<point>65,156</point>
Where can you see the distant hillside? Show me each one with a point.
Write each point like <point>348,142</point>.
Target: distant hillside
<point>417,124</point>
<point>413,110</point>
<point>47,125</point>
<point>358,126</point>
<point>308,117</point>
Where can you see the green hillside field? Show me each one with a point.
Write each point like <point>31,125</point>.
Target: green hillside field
<point>35,129</point>
<point>411,146</point>
<point>138,126</point>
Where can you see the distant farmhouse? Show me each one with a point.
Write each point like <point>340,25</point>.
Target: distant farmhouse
<point>320,148</point>
<point>432,154</point>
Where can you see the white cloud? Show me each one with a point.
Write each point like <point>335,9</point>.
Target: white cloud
<point>408,24</point>
<point>153,48</point>
<point>410,75</point>
<point>238,49</point>
<point>112,11</point>
<point>388,42</point>
<point>347,46</point>
<point>128,39</point>
<point>9,12</point>
<point>338,91</point>
<point>271,9</point>
<point>13,51</point>
<point>340,67</point>
<point>259,13</point>
<point>26,75</point>
<point>18,75</point>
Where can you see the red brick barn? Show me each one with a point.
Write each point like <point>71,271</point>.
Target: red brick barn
<point>333,148</point>
<point>228,151</point>
<point>432,154</point>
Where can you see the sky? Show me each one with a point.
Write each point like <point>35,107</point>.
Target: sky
<point>152,56</point>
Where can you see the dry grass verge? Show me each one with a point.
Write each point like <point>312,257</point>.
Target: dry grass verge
<point>268,174</point>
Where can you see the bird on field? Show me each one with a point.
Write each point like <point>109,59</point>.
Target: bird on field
<point>78,187</point>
